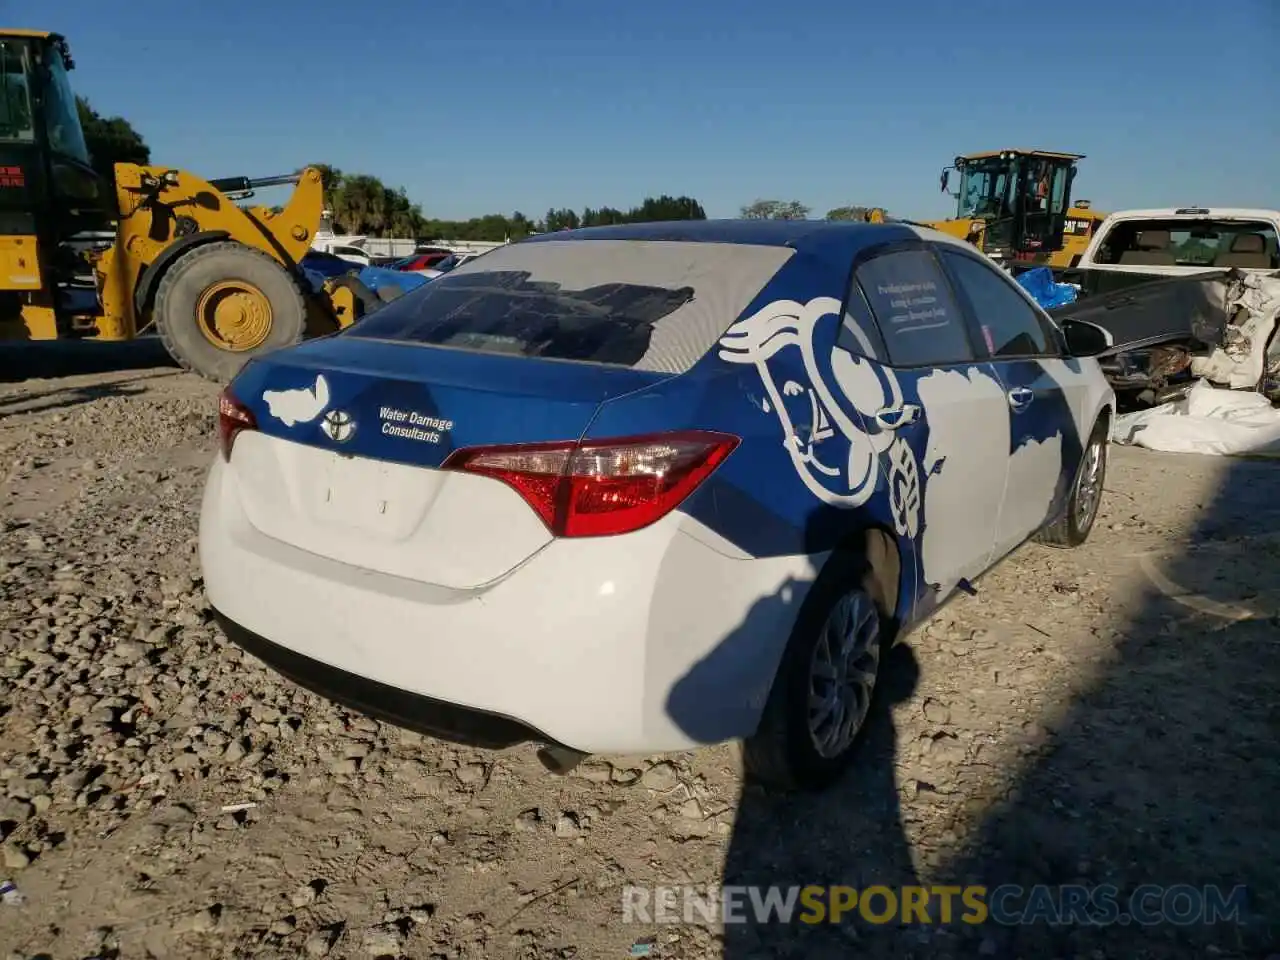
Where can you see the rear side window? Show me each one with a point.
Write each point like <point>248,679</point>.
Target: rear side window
<point>1186,242</point>
<point>1010,326</point>
<point>646,304</point>
<point>919,320</point>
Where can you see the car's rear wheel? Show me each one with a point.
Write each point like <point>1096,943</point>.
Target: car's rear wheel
<point>821,696</point>
<point>1073,527</point>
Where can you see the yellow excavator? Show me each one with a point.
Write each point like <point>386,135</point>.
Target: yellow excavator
<point>219,282</point>
<point>1015,206</point>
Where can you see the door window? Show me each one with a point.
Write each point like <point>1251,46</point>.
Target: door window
<point>17,123</point>
<point>1010,326</point>
<point>62,116</point>
<point>919,320</point>
<point>1060,175</point>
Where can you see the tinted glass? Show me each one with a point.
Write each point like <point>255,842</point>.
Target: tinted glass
<point>1189,243</point>
<point>985,186</point>
<point>858,334</point>
<point>16,119</point>
<point>1010,326</point>
<point>912,302</point>
<point>652,305</point>
<point>61,114</point>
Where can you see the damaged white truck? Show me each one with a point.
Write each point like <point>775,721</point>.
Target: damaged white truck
<point>1187,295</point>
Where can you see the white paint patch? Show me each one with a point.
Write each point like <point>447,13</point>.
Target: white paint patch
<point>1084,392</point>
<point>834,456</point>
<point>1034,471</point>
<point>291,407</point>
<point>965,466</point>
<point>904,489</point>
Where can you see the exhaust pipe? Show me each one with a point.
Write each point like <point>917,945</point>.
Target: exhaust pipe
<point>559,760</point>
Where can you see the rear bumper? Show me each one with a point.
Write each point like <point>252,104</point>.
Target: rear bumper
<point>656,641</point>
<point>435,718</point>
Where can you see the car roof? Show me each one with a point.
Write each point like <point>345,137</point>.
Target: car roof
<point>834,240</point>
<point>1196,213</point>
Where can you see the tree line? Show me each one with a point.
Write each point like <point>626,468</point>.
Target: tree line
<point>795,210</point>
<point>110,140</point>
<point>362,204</point>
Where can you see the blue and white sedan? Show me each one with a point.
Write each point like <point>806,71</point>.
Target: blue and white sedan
<point>640,488</point>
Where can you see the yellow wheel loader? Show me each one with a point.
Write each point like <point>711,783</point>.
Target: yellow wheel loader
<point>220,283</point>
<point>1015,205</point>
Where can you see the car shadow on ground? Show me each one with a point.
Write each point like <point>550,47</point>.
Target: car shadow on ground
<point>1160,780</point>
<point>1157,783</point>
<point>28,360</point>
<point>849,836</point>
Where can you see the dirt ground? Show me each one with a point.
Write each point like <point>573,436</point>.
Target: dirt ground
<point>1107,715</point>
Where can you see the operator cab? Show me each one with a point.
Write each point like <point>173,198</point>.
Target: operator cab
<point>1022,197</point>
<point>48,177</point>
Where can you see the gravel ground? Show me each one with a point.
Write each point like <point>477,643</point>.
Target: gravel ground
<point>1104,715</point>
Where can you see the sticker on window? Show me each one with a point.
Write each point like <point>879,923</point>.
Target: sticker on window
<point>914,309</point>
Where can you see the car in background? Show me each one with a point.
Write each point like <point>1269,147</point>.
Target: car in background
<point>421,261</point>
<point>380,283</point>
<point>641,488</point>
<point>453,261</point>
<point>443,265</point>
<point>352,254</point>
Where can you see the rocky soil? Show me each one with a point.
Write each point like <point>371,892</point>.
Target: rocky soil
<point>1104,715</point>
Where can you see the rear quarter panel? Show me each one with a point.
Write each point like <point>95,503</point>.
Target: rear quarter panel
<point>762,502</point>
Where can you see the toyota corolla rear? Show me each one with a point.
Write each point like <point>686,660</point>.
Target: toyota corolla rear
<point>486,510</point>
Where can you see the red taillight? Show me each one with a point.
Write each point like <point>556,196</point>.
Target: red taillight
<point>602,487</point>
<point>233,416</point>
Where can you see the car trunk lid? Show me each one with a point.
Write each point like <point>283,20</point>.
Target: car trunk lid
<point>352,433</point>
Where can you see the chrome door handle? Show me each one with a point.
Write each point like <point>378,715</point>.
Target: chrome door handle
<point>891,418</point>
<point>1020,397</point>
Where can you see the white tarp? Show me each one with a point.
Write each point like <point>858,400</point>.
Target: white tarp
<point>1207,420</point>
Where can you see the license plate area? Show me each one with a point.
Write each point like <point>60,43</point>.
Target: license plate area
<point>358,495</point>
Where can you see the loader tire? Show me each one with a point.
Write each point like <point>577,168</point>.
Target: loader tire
<point>223,304</point>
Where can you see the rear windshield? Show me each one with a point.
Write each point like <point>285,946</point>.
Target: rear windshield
<point>648,304</point>
<point>1185,242</point>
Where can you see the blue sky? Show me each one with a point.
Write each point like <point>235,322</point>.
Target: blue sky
<point>521,105</point>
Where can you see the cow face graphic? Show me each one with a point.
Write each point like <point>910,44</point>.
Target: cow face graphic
<point>825,399</point>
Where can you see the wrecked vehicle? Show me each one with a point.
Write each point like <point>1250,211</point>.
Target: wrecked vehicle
<point>1167,333</point>
<point>1184,294</point>
<point>1134,247</point>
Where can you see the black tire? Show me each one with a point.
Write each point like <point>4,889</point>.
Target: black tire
<point>782,753</point>
<point>1073,527</point>
<point>195,272</point>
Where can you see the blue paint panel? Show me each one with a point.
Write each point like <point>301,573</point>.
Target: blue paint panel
<point>783,357</point>
<point>417,404</point>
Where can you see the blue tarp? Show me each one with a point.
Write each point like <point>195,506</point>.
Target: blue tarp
<point>374,277</point>
<point>1047,292</point>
